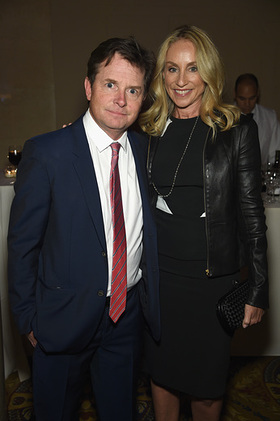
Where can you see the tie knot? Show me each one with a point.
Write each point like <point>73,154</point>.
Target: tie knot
<point>115,148</point>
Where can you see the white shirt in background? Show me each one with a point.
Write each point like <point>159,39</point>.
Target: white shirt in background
<point>269,132</point>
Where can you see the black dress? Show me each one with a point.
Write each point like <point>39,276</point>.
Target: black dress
<point>193,353</point>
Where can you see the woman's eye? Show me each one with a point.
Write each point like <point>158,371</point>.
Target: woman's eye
<point>193,69</point>
<point>172,69</point>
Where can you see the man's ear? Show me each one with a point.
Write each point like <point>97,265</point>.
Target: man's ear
<point>87,86</point>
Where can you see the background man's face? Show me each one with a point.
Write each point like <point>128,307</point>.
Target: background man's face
<point>116,96</point>
<point>246,96</point>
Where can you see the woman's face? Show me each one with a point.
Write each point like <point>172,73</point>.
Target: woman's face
<point>182,80</point>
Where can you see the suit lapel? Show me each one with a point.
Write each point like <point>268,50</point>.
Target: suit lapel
<point>139,152</point>
<point>84,167</point>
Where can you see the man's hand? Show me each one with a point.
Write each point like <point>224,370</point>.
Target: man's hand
<point>252,315</point>
<point>32,339</point>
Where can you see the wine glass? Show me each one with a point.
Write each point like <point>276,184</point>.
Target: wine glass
<point>270,190</point>
<point>14,154</point>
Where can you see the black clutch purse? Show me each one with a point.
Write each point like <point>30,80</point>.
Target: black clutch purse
<point>230,308</point>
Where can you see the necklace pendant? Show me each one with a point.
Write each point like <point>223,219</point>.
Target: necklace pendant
<point>178,166</point>
<point>162,205</point>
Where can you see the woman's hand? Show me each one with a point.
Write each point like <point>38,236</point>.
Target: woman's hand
<point>252,315</point>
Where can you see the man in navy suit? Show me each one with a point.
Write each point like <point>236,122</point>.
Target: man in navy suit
<point>61,245</point>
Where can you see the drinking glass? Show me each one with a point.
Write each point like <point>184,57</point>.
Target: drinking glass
<point>270,187</point>
<point>14,154</point>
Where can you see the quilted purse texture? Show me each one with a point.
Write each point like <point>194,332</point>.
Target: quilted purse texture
<point>230,308</point>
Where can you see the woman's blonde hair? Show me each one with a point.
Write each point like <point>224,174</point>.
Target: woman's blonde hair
<point>213,110</point>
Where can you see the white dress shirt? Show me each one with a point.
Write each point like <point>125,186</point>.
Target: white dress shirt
<point>269,132</point>
<point>101,152</point>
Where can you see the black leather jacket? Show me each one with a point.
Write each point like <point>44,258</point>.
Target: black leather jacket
<point>235,221</point>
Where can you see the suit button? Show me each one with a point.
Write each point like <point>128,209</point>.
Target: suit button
<point>100,293</point>
<point>103,254</point>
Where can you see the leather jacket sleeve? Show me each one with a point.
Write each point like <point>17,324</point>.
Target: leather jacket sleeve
<point>235,221</point>
<point>252,219</point>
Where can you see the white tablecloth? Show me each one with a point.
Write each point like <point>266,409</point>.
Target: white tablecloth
<point>264,338</point>
<point>13,353</point>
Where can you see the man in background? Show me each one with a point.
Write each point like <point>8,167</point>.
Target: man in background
<point>82,245</point>
<point>247,94</point>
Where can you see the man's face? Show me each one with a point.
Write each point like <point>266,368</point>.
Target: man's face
<point>246,96</point>
<point>116,96</point>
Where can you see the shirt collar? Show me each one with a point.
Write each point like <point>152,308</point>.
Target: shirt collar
<point>169,121</point>
<point>96,135</point>
<point>254,109</point>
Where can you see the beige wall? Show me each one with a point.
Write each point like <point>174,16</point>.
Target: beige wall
<point>45,45</point>
<point>27,104</point>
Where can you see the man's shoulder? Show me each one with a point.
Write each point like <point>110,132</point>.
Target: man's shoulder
<point>264,111</point>
<point>138,136</point>
<point>55,135</point>
<point>139,143</point>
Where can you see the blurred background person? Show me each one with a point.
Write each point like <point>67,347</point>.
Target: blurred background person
<point>205,176</point>
<point>247,93</point>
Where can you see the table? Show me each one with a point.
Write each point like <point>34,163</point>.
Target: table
<point>260,340</point>
<point>264,339</point>
<point>12,350</point>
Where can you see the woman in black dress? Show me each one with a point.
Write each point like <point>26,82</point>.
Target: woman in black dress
<point>204,165</point>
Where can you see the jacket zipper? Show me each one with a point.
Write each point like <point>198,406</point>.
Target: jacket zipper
<point>207,270</point>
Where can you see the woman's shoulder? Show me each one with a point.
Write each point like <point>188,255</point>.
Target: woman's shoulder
<point>246,119</point>
<point>247,124</point>
<point>244,131</point>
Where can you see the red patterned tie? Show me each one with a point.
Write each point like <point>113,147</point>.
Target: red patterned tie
<point>119,272</point>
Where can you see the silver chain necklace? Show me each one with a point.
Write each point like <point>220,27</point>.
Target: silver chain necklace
<point>179,163</point>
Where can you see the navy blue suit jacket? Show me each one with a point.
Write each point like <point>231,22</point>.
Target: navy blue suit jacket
<point>58,270</point>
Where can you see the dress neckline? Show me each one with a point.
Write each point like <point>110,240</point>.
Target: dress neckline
<point>182,120</point>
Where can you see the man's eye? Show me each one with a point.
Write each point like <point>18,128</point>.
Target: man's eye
<point>133,93</point>
<point>110,84</point>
